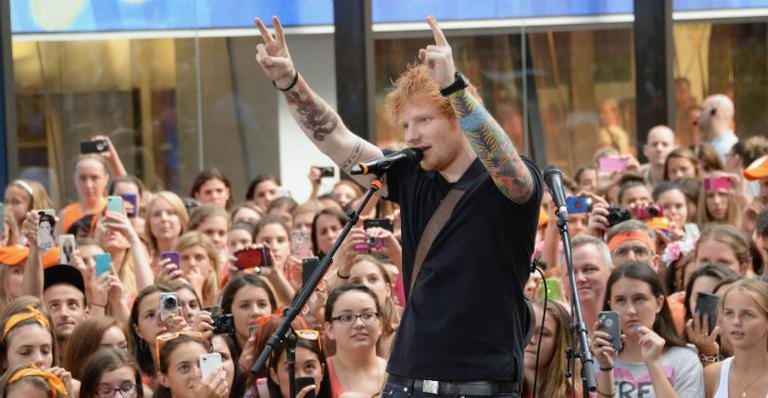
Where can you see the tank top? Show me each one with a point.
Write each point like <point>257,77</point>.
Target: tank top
<point>336,388</point>
<point>722,387</point>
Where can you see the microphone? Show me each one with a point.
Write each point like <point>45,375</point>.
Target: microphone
<point>380,165</point>
<point>554,180</point>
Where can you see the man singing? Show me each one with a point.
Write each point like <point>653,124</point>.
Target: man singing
<point>463,327</point>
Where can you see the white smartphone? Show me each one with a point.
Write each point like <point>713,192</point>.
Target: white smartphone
<point>209,363</point>
<point>68,246</point>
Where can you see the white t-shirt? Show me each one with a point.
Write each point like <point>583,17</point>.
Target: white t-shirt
<point>680,364</point>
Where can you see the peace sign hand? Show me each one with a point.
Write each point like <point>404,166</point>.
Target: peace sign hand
<point>438,57</point>
<point>273,55</point>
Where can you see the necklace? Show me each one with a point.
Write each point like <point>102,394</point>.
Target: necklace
<point>741,385</point>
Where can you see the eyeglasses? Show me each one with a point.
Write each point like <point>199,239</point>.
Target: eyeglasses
<point>348,318</point>
<point>164,338</point>
<point>126,389</point>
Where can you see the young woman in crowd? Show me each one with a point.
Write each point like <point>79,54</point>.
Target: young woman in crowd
<point>90,336</point>
<point>283,208</point>
<point>130,259</point>
<point>29,381</point>
<point>262,190</point>
<point>273,232</point>
<point>145,326</point>
<point>371,272</point>
<point>22,196</point>
<point>310,362</point>
<point>213,221</point>
<point>703,280</point>
<point>744,312</point>
<point>247,298</point>
<point>212,187</point>
<point>189,302</point>
<point>671,198</point>
<point>691,187</point>
<point>130,185</point>
<point>199,265</point>
<point>109,372</point>
<point>345,191</point>
<point>719,205</point>
<point>240,236</point>
<point>11,273</point>
<point>246,212</point>
<point>586,179</point>
<point>709,160</point>
<point>91,178</point>
<point>303,215</point>
<point>353,322</point>
<point>167,221</point>
<point>550,375</point>
<point>326,226</point>
<point>178,368</point>
<point>26,336</point>
<point>724,244</point>
<point>224,344</point>
<point>653,358</point>
<point>9,231</point>
<point>681,162</point>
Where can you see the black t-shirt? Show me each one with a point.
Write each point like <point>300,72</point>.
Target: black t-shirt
<point>464,319</point>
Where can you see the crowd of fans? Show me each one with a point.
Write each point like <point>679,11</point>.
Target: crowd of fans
<point>157,281</point>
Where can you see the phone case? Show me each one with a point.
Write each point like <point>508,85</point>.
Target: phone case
<point>68,246</point>
<point>133,200</point>
<point>45,228</point>
<point>609,323</point>
<point>611,164</point>
<point>707,304</point>
<point>173,256</point>
<point>209,363</point>
<point>302,382</point>
<point>103,263</point>
<point>716,183</point>
<point>308,267</point>
<point>115,204</point>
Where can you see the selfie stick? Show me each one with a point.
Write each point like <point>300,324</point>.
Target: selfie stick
<point>306,291</point>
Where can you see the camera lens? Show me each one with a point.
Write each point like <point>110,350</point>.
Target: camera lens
<point>170,302</point>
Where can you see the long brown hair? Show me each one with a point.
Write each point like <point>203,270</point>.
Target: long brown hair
<point>85,340</point>
<point>555,383</point>
<point>103,361</point>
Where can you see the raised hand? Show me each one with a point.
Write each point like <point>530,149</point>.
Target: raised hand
<point>651,344</point>
<point>273,55</point>
<point>438,57</point>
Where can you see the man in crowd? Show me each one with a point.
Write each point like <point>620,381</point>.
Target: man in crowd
<point>463,326</point>
<point>592,266</point>
<point>716,122</point>
<point>660,142</point>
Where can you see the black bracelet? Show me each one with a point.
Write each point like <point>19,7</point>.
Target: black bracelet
<point>342,276</point>
<point>608,369</point>
<point>293,83</point>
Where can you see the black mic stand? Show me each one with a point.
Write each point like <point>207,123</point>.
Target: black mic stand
<point>291,312</point>
<point>588,381</point>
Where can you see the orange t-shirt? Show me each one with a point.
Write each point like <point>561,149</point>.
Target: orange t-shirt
<point>73,212</point>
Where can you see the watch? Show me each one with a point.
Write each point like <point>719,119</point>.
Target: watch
<point>459,83</point>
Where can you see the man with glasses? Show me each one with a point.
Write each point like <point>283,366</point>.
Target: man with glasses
<point>716,122</point>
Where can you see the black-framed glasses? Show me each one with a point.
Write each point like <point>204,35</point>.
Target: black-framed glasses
<point>349,318</point>
<point>126,389</point>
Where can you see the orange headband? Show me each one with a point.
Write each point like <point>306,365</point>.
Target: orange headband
<point>622,237</point>
<point>57,386</point>
<point>32,313</point>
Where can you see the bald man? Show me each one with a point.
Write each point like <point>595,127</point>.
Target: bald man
<point>660,142</point>
<point>716,122</point>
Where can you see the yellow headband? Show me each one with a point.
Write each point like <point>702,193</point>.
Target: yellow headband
<point>31,313</point>
<point>57,386</point>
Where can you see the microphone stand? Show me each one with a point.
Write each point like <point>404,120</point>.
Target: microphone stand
<point>585,355</point>
<point>306,291</point>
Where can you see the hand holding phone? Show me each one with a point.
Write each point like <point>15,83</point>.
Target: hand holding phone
<point>68,246</point>
<point>717,183</point>
<point>173,257</point>
<point>609,323</point>
<point>45,226</point>
<point>611,164</point>
<point>103,263</point>
<point>707,304</point>
<point>209,363</point>
<point>303,382</point>
<point>93,146</point>
<point>115,204</point>
<point>132,211</point>
<point>252,258</point>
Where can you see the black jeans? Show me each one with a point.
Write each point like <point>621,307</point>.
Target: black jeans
<point>392,390</point>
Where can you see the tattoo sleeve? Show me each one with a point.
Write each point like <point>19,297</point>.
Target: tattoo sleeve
<point>494,148</point>
<point>313,114</point>
<point>354,156</point>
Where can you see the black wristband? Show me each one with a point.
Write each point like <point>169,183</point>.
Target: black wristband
<point>607,369</point>
<point>342,276</point>
<point>293,83</point>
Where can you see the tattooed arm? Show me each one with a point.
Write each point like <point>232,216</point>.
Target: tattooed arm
<point>315,117</point>
<point>494,147</point>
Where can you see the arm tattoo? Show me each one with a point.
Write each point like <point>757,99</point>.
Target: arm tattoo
<point>311,112</point>
<point>354,156</point>
<point>493,147</point>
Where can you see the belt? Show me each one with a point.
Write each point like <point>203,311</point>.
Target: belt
<point>483,387</point>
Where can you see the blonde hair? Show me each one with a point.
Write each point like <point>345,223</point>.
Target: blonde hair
<point>210,291</point>
<point>733,217</point>
<point>178,207</point>
<point>38,196</point>
<point>755,289</point>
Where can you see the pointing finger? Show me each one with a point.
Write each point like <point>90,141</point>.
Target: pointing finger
<point>263,29</point>
<point>436,31</point>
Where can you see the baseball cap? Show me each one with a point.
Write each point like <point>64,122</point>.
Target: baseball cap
<point>758,169</point>
<point>63,274</point>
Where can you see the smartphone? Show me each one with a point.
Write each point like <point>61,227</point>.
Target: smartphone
<point>169,305</point>
<point>252,258</point>
<point>103,263</point>
<point>551,288</point>
<point>327,171</point>
<point>308,267</point>
<point>133,199</point>
<point>95,146</point>
<point>209,363</point>
<point>578,204</point>
<point>174,257</point>
<point>707,304</point>
<point>223,324</point>
<point>384,223</point>
<point>300,244</point>
<point>68,246</point>
<point>45,228</point>
<point>302,382</point>
<point>717,183</point>
<point>609,323</point>
<point>115,204</point>
<point>612,164</point>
